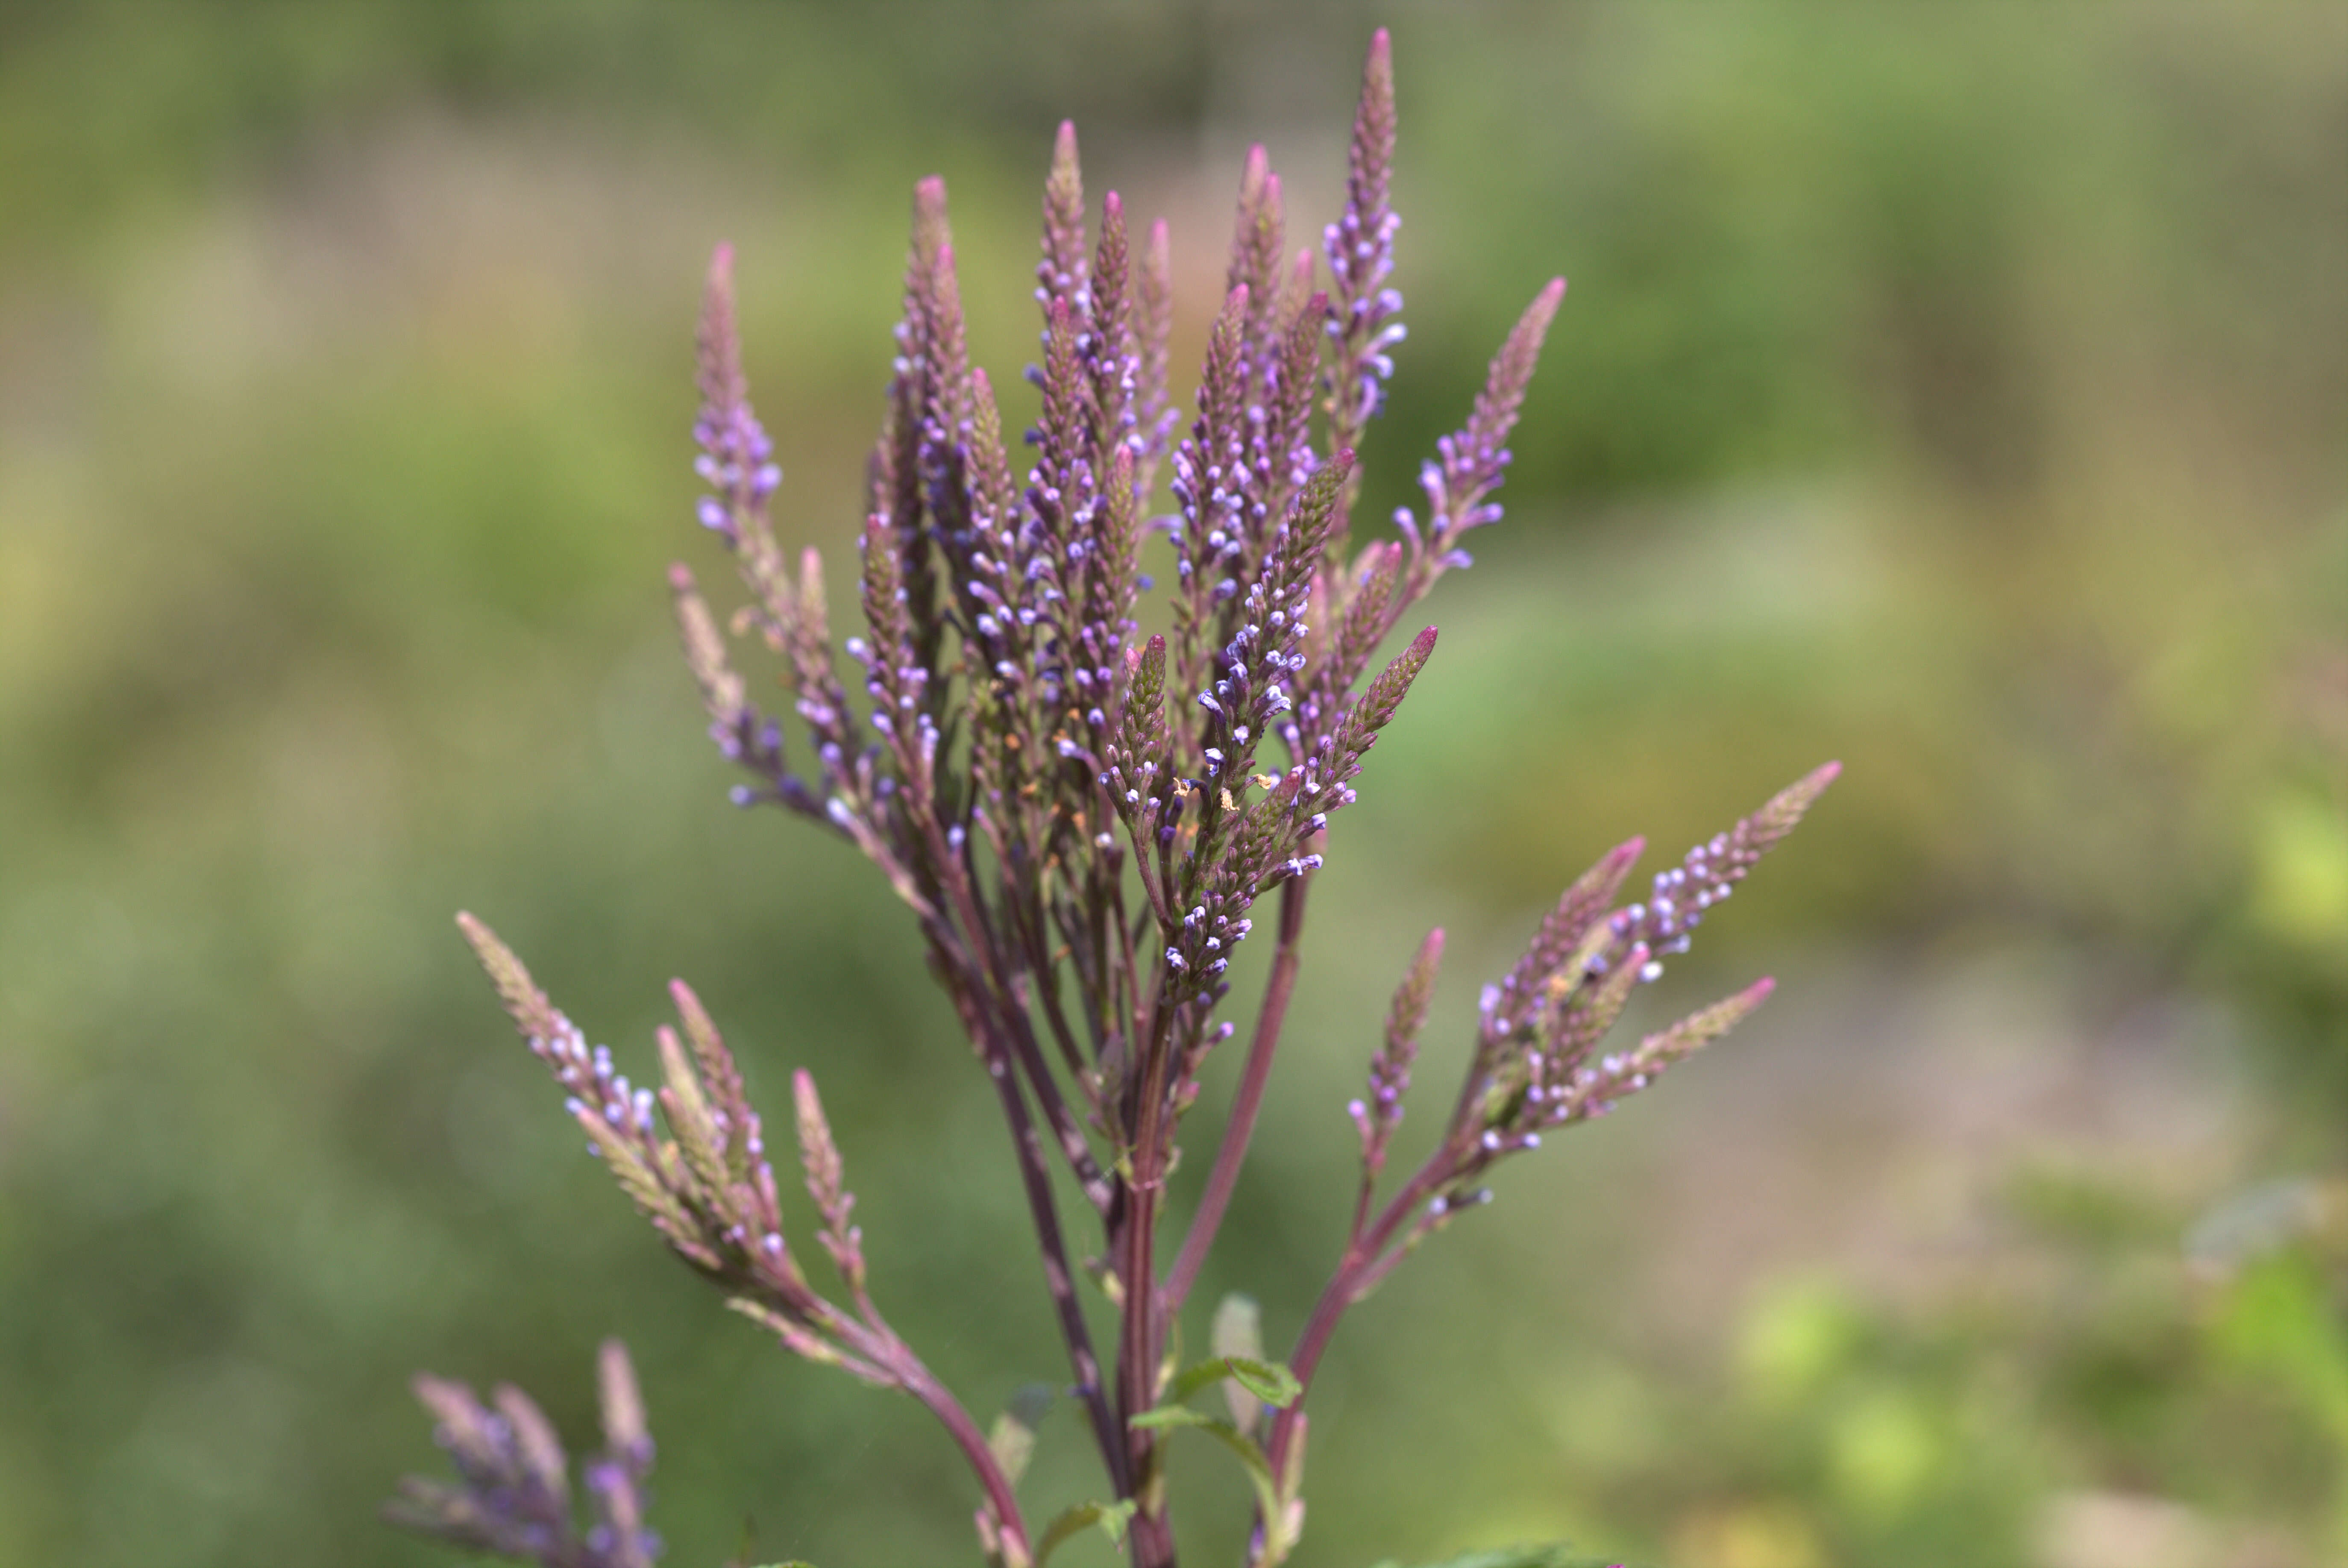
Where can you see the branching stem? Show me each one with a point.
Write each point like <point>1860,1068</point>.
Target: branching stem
<point>1035,1179</point>
<point>1239,1131</point>
<point>917,1381</point>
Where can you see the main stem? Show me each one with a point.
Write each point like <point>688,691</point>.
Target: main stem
<point>1139,1344</point>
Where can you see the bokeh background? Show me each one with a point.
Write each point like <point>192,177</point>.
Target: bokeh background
<point>1959,390</point>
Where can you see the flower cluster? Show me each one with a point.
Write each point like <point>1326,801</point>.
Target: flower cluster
<point>512,1498</point>
<point>1540,1024</point>
<point>1083,818</point>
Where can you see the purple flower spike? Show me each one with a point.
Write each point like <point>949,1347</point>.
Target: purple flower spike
<point>738,459</point>
<point>1360,250</point>
<point>1390,1068</point>
<point>513,1494</point>
<point>1259,250</point>
<point>1112,356</point>
<point>1683,894</point>
<point>1469,462</point>
<point>1155,414</point>
<point>1061,274</point>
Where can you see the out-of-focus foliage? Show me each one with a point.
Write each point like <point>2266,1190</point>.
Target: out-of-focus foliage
<point>1957,390</point>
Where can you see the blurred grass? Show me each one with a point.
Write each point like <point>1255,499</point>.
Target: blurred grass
<point>1956,391</point>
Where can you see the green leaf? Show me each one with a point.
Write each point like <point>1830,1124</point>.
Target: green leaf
<point>1012,1441</point>
<point>1013,1438</point>
<point>1267,1380</point>
<point>1238,1331</point>
<point>1259,1469</point>
<point>1111,1517</point>
<point>1169,1416</point>
<point>1519,1557</point>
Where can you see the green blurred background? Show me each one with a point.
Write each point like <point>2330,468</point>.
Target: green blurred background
<point>1959,390</point>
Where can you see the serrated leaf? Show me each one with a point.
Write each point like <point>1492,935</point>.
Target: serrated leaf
<point>1110,1517</point>
<point>1269,1381</point>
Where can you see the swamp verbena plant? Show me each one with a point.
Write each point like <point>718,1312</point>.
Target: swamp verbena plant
<point>1083,820</point>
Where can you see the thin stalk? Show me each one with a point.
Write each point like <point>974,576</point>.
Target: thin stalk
<point>1152,888</point>
<point>1065,1132</point>
<point>1083,928</point>
<point>1020,1025</point>
<point>1365,1263</point>
<point>1239,1131</point>
<point>1043,1209</point>
<point>1125,981</point>
<point>1036,939</point>
<point>994,974</point>
<point>917,1380</point>
<point>875,1344</point>
<point>1139,1341</point>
